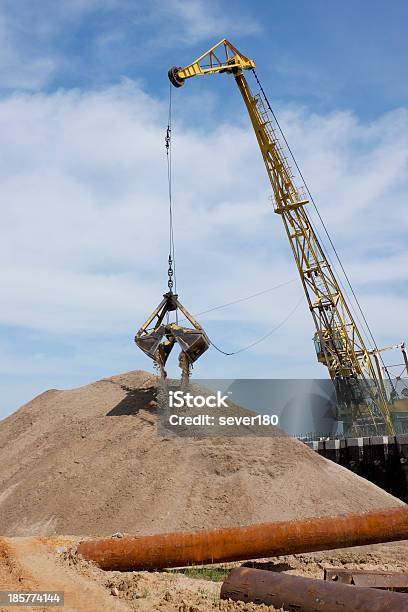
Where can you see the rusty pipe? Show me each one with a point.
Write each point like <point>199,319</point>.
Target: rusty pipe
<point>307,594</point>
<point>249,542</point>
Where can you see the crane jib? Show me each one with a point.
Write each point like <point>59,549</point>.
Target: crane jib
<point>339,342</point>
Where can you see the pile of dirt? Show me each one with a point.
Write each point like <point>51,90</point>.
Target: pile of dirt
<point>90,461</point>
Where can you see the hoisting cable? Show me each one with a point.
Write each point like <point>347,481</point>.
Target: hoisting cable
<point>318,213</point>
<point>244,299</point>
<point>272,331</point>
<point>172,258</point>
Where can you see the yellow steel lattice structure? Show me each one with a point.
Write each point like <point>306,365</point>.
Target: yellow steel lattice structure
<point>338,341</point>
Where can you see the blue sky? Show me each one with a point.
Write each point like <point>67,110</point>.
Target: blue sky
<point>349,55</point>
<point>83,109</point>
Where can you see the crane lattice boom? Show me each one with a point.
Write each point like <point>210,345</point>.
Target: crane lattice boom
<point>338,341</point>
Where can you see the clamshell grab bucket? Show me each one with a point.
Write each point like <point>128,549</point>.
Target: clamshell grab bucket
<point>158,342</point>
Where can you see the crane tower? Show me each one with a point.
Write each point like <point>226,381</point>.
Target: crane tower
<point>339,344</point>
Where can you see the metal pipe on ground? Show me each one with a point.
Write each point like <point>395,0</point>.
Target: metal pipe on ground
<point>307,594</point>
<point>368,578</point>
<point>249,542</point>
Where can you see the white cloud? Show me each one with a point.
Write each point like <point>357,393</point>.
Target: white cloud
<point>20,69</point>
<point>84,222</point>
<point>195,20</point>
<point>358,171</point>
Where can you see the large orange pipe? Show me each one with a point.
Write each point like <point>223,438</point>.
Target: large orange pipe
<point>250,542</point>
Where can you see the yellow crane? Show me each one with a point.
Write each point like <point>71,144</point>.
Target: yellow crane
<point>339,344</point>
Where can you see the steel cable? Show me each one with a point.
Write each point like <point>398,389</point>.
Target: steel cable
<point>272,331</point>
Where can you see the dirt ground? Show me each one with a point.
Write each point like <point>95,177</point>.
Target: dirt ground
<point>90,461</point>
<point>52,564</point>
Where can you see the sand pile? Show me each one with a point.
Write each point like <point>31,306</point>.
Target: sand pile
<point>89,461</point>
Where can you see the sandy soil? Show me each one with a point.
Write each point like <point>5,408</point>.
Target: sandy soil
<point>90,461</point>
<point>52,564</point>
